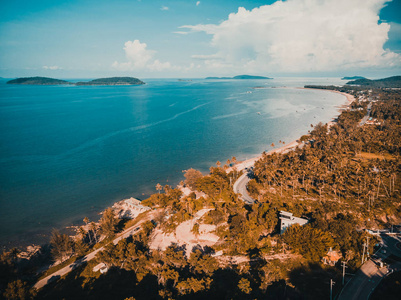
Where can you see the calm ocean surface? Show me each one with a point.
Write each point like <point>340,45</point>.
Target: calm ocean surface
<point>67,152</point>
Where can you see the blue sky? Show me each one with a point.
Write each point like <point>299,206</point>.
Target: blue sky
<point>185,38</point>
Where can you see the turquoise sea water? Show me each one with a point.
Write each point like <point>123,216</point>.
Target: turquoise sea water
<point>67,152</point>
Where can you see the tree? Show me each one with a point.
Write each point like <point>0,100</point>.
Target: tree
<point>94,230</point>
<point>159,187</point>
<point>202,263</point>
<point>195,229</point>
<point>244,285</point>
<point>108,222</point>
<point>310,242</point>
<point>62,246</point>
<point>80,247</point>
<point>18,290</point>
<point>191,177</point>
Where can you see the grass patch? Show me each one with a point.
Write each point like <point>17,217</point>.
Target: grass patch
<point>366,155</point>
<point>132,222</point>
<point>58,267</point>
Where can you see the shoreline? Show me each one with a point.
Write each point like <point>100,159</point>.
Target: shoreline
<point>239,166</point>
<point>293,144</point>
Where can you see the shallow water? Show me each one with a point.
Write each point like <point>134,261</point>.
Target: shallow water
<point>68,152</point>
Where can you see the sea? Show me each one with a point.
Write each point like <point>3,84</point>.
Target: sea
<point>68,152</point>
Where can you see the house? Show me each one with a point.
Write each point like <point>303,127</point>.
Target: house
<point>287,219</point>
<point>136,204</point>
<point>129,208</point>
<point>332,257</point>
<point>100,267</point>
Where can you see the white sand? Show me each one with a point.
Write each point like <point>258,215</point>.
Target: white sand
<point>285,148</point>
<point>183,235</point>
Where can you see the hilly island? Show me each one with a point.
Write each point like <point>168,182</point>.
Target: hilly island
<point>38,81</point>
<point>101,81</point>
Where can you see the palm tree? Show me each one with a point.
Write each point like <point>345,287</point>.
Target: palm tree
<point>159,187</point>
<point>86,221</point>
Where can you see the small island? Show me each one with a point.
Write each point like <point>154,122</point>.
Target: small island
<point>353,77</point>
<point>241,77</point>
<point>113,81</point>
<point>38,81</point>
<point>101,81</point>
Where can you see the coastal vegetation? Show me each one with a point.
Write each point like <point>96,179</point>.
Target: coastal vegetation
<point>38,81</point>
<point>100,81</point>
<point>390,82</point>
<point>343,177</point>
<point>113,81</point>
<point>352,77</point>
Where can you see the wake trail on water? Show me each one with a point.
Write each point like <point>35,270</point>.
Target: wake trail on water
<point>101,139</point>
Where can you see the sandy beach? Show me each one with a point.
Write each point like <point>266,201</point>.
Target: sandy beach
<point>292,145</point>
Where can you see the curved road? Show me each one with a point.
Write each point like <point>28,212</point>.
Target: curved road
<point>240,188</point>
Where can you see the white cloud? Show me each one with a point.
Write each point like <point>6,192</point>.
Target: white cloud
<point>181,32</point>
<point>197,3</point>
<point>52,68</point>
<point>164,8</point>
<point>301,36</point>
<point>140,58</point>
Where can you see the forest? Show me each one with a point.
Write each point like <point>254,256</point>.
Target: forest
<point>343,177</point>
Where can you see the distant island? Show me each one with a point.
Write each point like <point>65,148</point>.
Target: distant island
<point>353,78</point>
<point>113,81</point>
<point>389,82</point>
<point>38,81</point>
<point>240,77</point>
<point>101,81</point>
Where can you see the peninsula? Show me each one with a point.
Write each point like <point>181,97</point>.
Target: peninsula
<point>240,77</point>
<point>38,81</point>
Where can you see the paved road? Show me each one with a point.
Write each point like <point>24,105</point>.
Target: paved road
<point>366,117</point>
<point>364,282</point>
<point>240,188</point>
<point>77,263</point>
<point>369,275</point>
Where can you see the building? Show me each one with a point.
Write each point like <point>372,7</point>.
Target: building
<point>136,204</point>
<point>332,257</point>
<point>129,208</point>
<point>100,267</point>
<point>287,219</point>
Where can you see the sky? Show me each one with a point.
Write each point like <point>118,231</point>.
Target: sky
<point>192,39</point>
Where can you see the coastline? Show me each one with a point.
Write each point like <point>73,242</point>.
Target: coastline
<point>295,143</point>
<point>241,165</point>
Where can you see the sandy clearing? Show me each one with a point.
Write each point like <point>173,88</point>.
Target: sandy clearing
<point>183,235</point>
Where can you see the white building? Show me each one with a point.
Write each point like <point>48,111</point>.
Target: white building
<point>100,267</point>
<point>287,219</point>
<point>136,204</point>
<point>129,208</point>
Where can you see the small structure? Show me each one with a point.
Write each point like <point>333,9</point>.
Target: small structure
<point>287,219</point>
<point>331,258</point>
<point>136,204</point>
<point>100,267</point>
<point>129,208</point>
